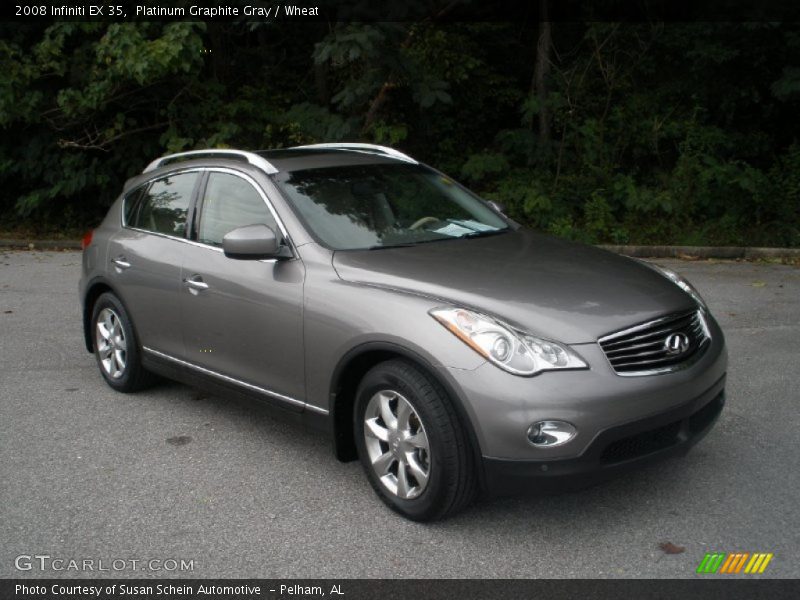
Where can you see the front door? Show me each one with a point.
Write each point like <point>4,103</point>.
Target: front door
<point>242,319</point>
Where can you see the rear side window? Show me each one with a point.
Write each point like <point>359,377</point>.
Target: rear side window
<point>230,202</point>
<point>163,208</point>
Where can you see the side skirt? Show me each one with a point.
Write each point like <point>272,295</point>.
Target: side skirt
<point>231,391</point>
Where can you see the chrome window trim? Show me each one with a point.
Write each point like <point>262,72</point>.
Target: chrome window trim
<point>191,242</point>
<point>692,360</point>
<point>239,382</point>
<point>201,170</point>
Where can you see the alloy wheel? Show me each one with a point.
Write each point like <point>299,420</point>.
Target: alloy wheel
<point>397,444</point>
<point>112,347</point>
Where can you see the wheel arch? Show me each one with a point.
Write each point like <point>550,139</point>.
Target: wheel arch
<point>349,372</point>
<point>96,288</point>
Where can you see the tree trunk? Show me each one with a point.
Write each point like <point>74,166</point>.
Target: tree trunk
<point>541,71</point>
<point>389,84</point>
<point>321,84</point>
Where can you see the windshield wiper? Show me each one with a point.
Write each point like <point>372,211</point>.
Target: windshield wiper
<point>485,233</point>
<point>470,235</point>
<point>409,244</point>
<point>387,246</point>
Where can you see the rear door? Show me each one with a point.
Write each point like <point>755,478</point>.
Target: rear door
<point>242,319</point>
<point>145,258</point>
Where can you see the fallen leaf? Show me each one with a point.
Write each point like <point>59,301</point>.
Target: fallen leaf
<point>758,284</point>
<point>179,440</point>
<point>670,548</point>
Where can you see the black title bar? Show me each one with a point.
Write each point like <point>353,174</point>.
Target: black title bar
<point>278,11</point>
<point>385,589</point>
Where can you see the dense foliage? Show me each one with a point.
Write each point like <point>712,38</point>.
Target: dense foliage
<point>627,133</point>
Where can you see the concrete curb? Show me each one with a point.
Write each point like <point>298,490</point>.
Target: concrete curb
<point>41,244</point>
<point>700,252</point>
<point>703,252</point>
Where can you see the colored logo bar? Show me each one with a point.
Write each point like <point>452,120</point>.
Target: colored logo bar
<point>734,562</point>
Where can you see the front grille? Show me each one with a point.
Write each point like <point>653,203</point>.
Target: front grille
<point>642,444</point>
<point>664,437</point>
<point>643,349</point>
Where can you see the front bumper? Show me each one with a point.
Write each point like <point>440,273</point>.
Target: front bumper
<point>613,452</point>
<point>604,407</point>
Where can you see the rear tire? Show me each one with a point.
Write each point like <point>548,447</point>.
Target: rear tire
<point>411,444</point>
<point>116,348</point>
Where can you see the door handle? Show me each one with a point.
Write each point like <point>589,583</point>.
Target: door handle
<point>121,263</point>
<point>195,284</point>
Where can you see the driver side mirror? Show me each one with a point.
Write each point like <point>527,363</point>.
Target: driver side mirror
<point>254,242</point>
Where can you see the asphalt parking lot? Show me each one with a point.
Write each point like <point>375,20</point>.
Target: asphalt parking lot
<point>172,473</point>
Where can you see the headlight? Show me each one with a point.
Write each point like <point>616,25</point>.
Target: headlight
<point>681,283</point>
<point>511,350</point>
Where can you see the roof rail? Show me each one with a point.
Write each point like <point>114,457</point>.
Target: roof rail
<point>366,148</point>
<point>250,157</point>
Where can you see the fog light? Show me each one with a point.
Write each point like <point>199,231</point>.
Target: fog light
<point>551,433</point>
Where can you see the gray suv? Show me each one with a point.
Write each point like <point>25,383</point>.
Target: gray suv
<point>449,349</point>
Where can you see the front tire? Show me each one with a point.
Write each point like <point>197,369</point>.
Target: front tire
<point>411,444</point>
<point>116,348</point>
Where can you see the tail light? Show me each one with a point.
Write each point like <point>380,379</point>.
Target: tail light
<point>87,239</point>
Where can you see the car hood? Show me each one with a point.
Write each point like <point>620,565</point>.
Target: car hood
<point>557,289</point>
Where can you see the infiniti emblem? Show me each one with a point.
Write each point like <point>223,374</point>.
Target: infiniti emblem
<point>676,343</point>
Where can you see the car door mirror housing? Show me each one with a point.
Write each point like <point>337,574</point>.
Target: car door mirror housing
<point>254,242</point>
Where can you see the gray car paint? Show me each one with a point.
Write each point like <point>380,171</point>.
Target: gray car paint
<point>248,323</point>
<point>341,315</point>
<point>151,284</point>
<point>251,241</point>
<point>544,285</point>
<point>286,326</point>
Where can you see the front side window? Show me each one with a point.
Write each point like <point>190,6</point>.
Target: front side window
<point>385,205</point>
<point>230,202</point>
<point>164,206</point>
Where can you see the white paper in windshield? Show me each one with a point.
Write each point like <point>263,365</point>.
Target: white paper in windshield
<point>457,229</point>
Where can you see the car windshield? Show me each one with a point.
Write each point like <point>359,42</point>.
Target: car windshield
<point>386,205</point>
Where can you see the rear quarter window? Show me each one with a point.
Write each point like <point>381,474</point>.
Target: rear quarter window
<point>163,206</point>
<point>131,204</point>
